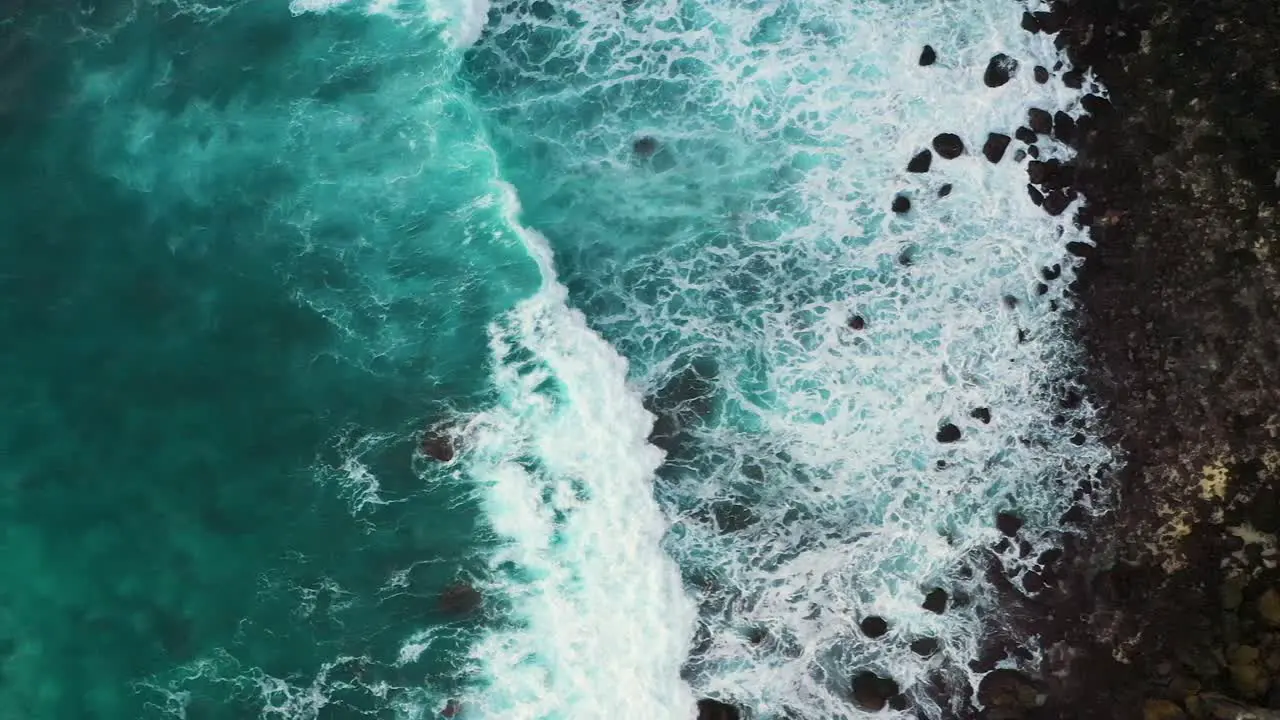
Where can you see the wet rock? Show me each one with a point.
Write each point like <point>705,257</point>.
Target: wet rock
<point>1064,127</point>
<point>715,710</point>
<point>1008,523</point>
<point>857,322</point>
<point>945,190</point>
<point>451,709</point>
<point>1041,288</point>
<point>1036,196</point>
<point>1008,693</point>
<point>1000,69</point>
<point>684,399</point>
<point>905,258</point>
<point>995,146</point>
<point>1040,121</point>
<point>935,601</point>
<point>898,702</point>
<point>1079,249</point>
<point>900,204</point>
<point>1033,151</point>
<point>644,147</point>
<point>928,56</point>
<point>1248,677</point>
<point>460,599</point>
<point>542,10</point>
<point>1051,273</point>
<point>1032,582</point>
<point>1010,303</point>
<point>1026,135</point>
<point>437,445</point>
<point>1096,105</point>
<point>921,162</point>
<point>1073,79</point>
<point>982,414</point>
<point>948,433</point>
<point>1041,74</point>
<point>1162,710</point>
<point>874,626</point>
<point>948,145</point>
<point>924,647</point>
<point>1029,22</point>
<point>872,692</point>
<point>1269,607</point>
<point>1056,202</point>
<point>1019,155</point>
<point>1049,22</point>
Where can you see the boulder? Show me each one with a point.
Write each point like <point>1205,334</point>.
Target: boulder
<point>948,145</point>
<point>437,445</point>
<point>1026,135</point>
<point>1029,22</point>
<point>924,647</point>
<point>947,433</point>
<point>1008,523</point>
<point>709,709</point>
<point>900,204</point>
<point>982,413</point>
<point>928,56</point>
<point>872,692</point>
<point>1036,196</point>
<point>460,599</point>
<point>920,162</point>
<point>935,601</point>
<point>1162,710</point>
<point>1064,127</point>
<point>874,626</point>
<point>1000,69</point>
<point>1073,79</point>
<point>1041,74</point>
<point>857,322</point>
<point>1269,607</point>
<point>1040,121</point>
<point>945,190</point>
<point>995,146</point>
<point>1048,22</point>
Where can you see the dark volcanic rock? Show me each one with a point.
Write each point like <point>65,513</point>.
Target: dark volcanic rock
<point>437,445</point>
<point>1036,196</point>
<point>935,601</point>
<point>920,162</point>
<point>995,146</point>
<point>872,692</point>
<point>945,190</point>
<point>644,146</point>
<point>715,710</point>
<point>1026,135</point>
<point>948,433</point>
<point>928,56</point>
<point>1064,127</point>
<point>1040,121</point>
<point>925,647</point>
<point>1008,523</point>
<point>900,204</point>
<point>874,626</point>
<point>949,146</point>
<point>984,414</point>
<point>1000,70</point>
<point>460,599</point>
<point>1049,22</point>
<point>1073,79</point>
<point>1041,74</point>
<point>1029,22</point>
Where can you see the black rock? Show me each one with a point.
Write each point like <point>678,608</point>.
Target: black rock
<point>1032,582</point>
<point>1048,22</point>
<point>948,433</point>
<point>1080,249</point>
<point>921,162</point>
<point>898,702</point>
<point>928,56</point>
<point>1026,135</point>
<point>874,626</point>
<point>948,145</point>
<point>1029,22</point>
<point>715,710</point>
<point>645,146</point>
<point>1033,151</point>
<point>935,601</point>
<point>1010,302</point>
<point>1056,202</point>
<point>857,322</point>
<point>1096,105</point>
<point>872,692</point>
<point>1073,79</point>
<point>1000,69</point>
<point>945,190</point>
<point>924,647</point>
<point>460,599</point>
<point>1051,173</point>
<point>1036,196</point>
<point>1051,273</point>
<point>901,204</point>
<point>1008,523</point>
<point>904,258</point>
<point>982,413</point>
<point>995,146</point>
<point>1064,127</point>
<point>1040,121</point>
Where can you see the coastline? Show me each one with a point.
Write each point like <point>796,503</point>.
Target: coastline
<point>1169,607</point>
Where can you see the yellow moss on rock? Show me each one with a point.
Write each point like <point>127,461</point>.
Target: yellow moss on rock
<point>1213,483</point>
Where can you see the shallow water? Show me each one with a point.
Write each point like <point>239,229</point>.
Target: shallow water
<point>257,247</point>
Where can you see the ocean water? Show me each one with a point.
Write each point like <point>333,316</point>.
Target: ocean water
<point>255,250</point>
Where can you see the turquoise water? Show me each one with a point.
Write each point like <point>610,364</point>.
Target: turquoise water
<point>254,250</point>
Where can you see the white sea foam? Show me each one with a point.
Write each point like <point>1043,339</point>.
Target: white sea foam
<point>598,622</point>
<point>749,241</point>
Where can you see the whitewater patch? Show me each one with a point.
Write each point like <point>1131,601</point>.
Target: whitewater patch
<point>461,21</point>
<point>597,622</point>
<point>857,392</point>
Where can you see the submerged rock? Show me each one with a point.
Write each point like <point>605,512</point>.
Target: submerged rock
<point>460,599</point>
<point>437,445</point>
<point>948,145</point>
<point>644,147</point>
<point>1009,692</point>
<point>709,709</point>
<point>928,56</point>
<point>920,162</point>
<point>924,647</point>
<point>1000,70</point>
<point>857,322</point>
<point>872,692</point>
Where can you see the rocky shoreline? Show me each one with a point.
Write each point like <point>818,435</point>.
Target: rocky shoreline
<point>1171,608</point>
